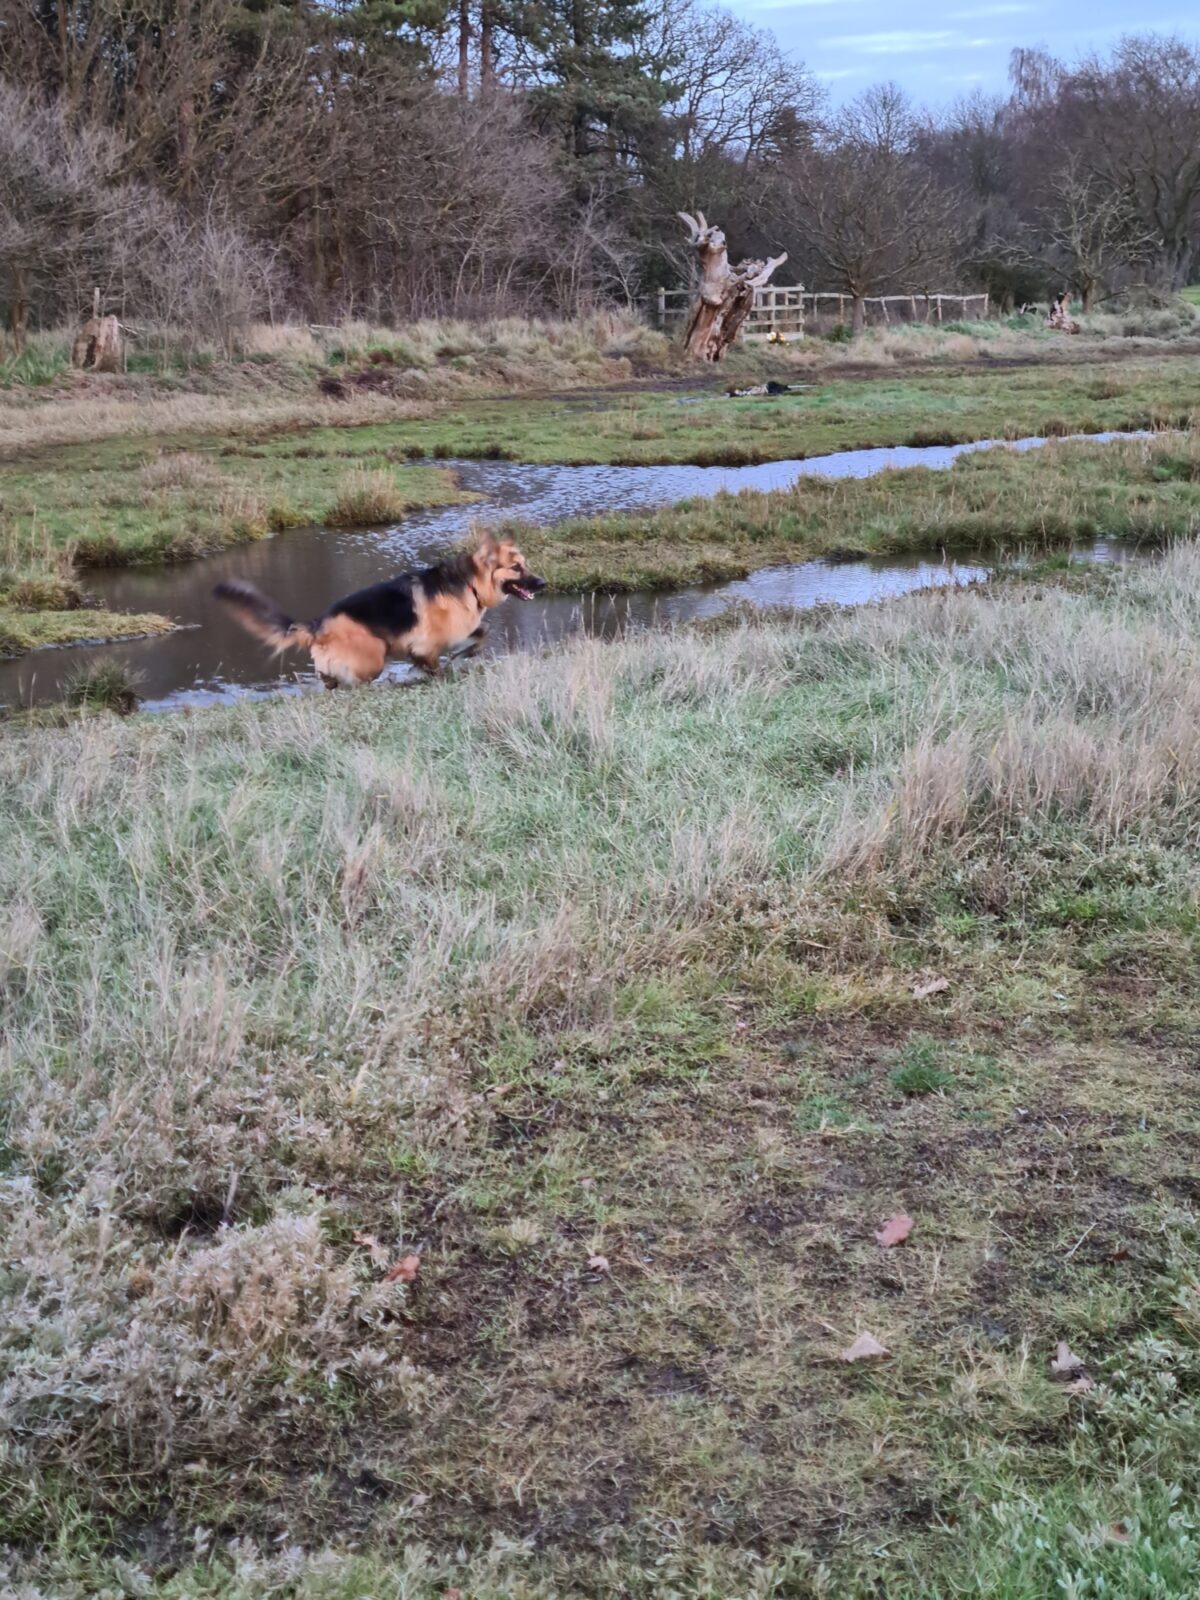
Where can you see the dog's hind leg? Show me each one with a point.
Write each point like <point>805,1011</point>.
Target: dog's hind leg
<point>345,653</point>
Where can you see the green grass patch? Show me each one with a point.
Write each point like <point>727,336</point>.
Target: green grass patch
<point>833,414</point>
<point>991,500</point>
<point>21,631</point>
<point>920,1071</point>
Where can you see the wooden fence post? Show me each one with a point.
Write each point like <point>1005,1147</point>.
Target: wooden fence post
<point>662,308</point>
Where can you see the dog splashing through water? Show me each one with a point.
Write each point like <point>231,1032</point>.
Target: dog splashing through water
<point>417,616</point>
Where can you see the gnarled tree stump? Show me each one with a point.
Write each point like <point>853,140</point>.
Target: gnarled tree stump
<point>97,346</point>
<point>726,293</point>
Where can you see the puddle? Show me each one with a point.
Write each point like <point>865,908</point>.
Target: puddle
<point>211,659</point>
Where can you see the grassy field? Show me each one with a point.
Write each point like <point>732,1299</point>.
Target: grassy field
<point>835,414</point>
<point>992,500</point>
<point>630,990</point>
<point>173,494</point>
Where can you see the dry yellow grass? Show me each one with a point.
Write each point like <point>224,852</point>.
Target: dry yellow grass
<point>91,412</point>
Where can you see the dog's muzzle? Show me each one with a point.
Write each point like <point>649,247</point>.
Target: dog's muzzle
<point>524,587</point>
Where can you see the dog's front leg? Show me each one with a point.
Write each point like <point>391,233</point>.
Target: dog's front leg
<point>474,643</point>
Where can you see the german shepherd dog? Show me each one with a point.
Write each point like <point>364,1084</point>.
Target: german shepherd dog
<point>417,617</point>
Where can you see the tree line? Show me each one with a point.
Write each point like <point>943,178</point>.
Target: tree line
<point>209,161</point>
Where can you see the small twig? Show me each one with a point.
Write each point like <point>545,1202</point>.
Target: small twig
<point>230,1196</point>
<point>1078,1242</point>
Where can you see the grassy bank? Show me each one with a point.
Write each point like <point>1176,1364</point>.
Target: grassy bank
<point>831,414</point>
<point>120,504</point>
<point>989,500</point>
<point>631,990</point>
<point>21,631</point>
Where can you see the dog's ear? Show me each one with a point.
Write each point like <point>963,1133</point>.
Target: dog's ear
<point>488,550</point>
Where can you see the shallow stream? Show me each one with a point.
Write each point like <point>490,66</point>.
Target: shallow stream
<point>211,659</point>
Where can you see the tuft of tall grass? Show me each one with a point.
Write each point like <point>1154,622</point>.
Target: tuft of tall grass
<point>366,496</point>
<point>45,357</point>
<point>174,472</point>
<point>104,686</point>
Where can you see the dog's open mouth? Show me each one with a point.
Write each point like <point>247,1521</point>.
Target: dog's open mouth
<point>524,588</point>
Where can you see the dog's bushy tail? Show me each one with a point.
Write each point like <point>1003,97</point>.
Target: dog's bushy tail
<point>262,617</point>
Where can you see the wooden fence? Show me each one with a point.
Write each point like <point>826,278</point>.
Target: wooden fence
<point>781,309</point>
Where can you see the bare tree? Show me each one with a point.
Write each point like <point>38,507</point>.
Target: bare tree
<point>1132,126</point>
<point>1090,228</point>
<point>60,204</point>
<point>732,87</point>
<point>470,221</point>
<point>1139,130</point>
<point>873,215</point>
<point>68,223</point>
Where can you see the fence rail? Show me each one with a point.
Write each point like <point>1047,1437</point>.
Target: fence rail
<point>779,310</point>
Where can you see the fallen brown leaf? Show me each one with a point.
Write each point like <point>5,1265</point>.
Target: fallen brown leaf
<point>1065,1363</point>
<point>368,1239</point>
<point>865,1348</point>
<point>403,1271</point>
<point>597,1263</point>
<point>931,986</point>
<point>1081,1385</point>
<point>894,1231</point>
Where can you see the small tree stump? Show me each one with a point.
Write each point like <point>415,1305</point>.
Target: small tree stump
<point>726,293</point>
<point>97,346</point>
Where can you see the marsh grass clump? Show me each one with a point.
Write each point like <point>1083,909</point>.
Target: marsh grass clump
<point>176,471</point>
<point>104,686</point>
<point>244,513</point>
<point>365,497</point>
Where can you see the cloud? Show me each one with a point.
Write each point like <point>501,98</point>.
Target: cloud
<point>973,13</point>
<point>905,42</point>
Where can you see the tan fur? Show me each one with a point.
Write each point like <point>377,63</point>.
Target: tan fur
<point>443,623</point>
<point>346,651</point>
